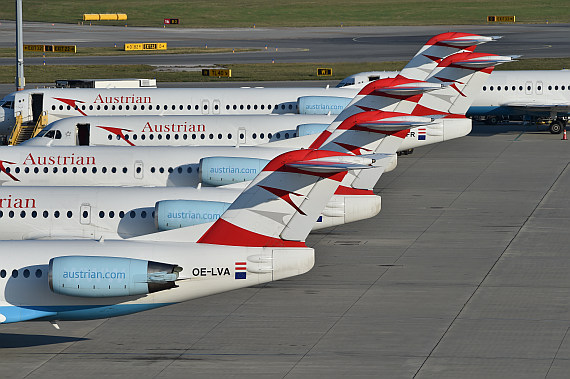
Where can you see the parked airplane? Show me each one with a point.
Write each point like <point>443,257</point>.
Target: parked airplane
<point>241,130</point>
<point>176,166</point>
<point>536,93</point>
<point>248,245</point>
<point>59,103</point>
<point>127,212</point>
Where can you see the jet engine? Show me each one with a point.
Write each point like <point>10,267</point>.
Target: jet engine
<point>309,129</point>
<point>174,214</point>
<point>322,104</point>
<point>93,276</point>
<point>219,171</point>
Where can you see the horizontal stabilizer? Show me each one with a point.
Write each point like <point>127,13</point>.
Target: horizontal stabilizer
<point>485,61</point>
<point>333,164</point>
<point>397,123</point>
<point>468,40</point>
<point>409,89</point>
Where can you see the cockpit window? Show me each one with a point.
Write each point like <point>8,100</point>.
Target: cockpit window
<point>50,134</point>
<point>57,134</point>
<point>7,104</point>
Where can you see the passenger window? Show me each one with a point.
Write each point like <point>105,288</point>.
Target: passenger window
<point>113,107</point>
<point>189,169</point>
<point>14,273</point>
<point>22,214</point>
<point>179,170</point>
<point>36,170</point>
<point>120,107</point>
<point>121,214</point>
<point>152,169</point>
<point>74,170</point>
<point>125,170</point>
<point>84,170</point>
<point>161,170</point>
<point>2,273</point>
<point>248,107</point>
<point>38,273</point>
<point>69,214</point>
<point>114,170</point>
<point>211,136</point>
<point>132,214</point>
<point>34,214</point>
<point>261,136</point>
<point>111,214</point>
<point>45,214</point>
<point>94,170</point>
<point>170,170</point>
<point>143,214</point>
<point>254,136</point>
<point>229,136</point>
<point>56,214</point>
<point>101,214</point>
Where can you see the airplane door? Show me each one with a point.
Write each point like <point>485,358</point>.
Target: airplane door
<point>82,134</point>
<point>216,106</point>
<point>528,88</point>
<point>85,214</point>
<point>37,106</point>
<point>205,106</point>
<point>22,106</point>
<point>539,88</point>
<point>139,172</point>
<point>241,136</point>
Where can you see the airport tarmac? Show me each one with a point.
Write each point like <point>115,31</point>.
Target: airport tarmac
<point>284,45</point>
<point>464,274</point>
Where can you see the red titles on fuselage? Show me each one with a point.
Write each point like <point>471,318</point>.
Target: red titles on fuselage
<point>173,128</point>
<point>122,99</point>
<point>17,202</point>
<point>71,160</point>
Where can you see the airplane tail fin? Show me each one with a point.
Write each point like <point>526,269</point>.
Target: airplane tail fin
<point>385,94</point>
<point>461,76</point>
<point>439,47</point>
<point>283,202</point>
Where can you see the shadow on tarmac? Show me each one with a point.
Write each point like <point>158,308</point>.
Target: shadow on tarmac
<point>12,340</point>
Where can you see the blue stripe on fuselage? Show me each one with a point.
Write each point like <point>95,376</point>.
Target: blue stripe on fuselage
<point>73,313</point>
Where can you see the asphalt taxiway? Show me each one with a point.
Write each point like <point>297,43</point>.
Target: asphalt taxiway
<point>464,274</point>
<point>284,45</point>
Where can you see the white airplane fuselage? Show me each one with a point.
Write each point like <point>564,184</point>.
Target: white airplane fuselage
<point>244,130</point>
<point>128,212</point>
